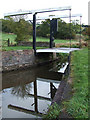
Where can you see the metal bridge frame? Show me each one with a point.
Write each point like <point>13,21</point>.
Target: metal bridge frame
<point>35,12</point>
<point>34,24</point>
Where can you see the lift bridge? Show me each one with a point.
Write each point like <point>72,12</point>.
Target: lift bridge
<point>53,29</point>
<point>53,26</point>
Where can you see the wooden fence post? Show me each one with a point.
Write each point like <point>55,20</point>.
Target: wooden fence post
<point>8,42</point>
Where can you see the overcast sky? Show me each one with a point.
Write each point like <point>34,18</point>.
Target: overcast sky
<point>78,6</point>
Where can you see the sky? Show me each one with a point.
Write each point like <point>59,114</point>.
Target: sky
<point>78,6</point>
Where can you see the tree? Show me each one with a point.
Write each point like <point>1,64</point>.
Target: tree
<point>22,29</point>
<point>76,26</point>
<point>43,29</point>
<point>86,31</point>
<point>65,30</point>
<point>6,26</point>
<point>18,26</point>
<point>89,32</point>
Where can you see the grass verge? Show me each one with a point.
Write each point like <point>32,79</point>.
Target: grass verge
<point>53,112</point>
<point>16,48</point>
<point>77,107</point>
<point>19,48</point>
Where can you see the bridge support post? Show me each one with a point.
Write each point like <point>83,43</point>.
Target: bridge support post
<point>34,32</point>
<point>53,30</point>
<point>51,35</point>
<point>80,33</point>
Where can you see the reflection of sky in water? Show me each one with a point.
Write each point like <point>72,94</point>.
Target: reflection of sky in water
<point>43,88</point>
<point>8,98</point>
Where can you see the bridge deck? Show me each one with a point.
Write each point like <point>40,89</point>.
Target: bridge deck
<point>57,50</point>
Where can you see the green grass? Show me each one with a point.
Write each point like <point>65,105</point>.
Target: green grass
<point>19,48</point>
<point>78,105</point>
<point>53,112</point>
<point>42,39</point>
<point>64,41</point>
<point>12,37</point>
<point>16,48</point>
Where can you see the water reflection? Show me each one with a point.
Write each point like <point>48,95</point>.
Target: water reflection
<point>29,91</point>
<point>21,91</point>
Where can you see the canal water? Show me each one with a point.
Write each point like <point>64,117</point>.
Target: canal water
<point>27,93</point>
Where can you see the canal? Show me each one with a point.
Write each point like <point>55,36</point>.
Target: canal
<point>27,93</point>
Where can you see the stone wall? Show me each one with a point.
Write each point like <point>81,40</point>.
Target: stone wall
<point>12,60</point>
<point>38,44</point>
<point>17,59</point>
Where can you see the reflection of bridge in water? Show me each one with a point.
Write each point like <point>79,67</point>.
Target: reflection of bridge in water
<point>36,97</point>
<point>18,81</point>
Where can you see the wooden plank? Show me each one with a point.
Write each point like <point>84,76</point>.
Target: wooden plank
<point>52,50</point>
<point>57,50</point>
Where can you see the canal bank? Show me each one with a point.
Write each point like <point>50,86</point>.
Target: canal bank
<point>23,86</point>
<point>72,98</point>
<point>56,110</point>
<point>21,59</point>
<point>64,90</point>
<point>78,105</point>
